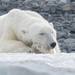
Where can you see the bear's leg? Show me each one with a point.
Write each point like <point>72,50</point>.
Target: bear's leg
<point>10,43</point>
<point>14,47</point>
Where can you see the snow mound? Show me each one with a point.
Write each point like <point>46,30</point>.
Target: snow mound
<point>37,64</point>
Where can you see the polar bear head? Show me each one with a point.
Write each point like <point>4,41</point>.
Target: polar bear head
<point>41,35</point>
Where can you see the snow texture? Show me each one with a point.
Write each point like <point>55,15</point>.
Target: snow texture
<point>37,64</point>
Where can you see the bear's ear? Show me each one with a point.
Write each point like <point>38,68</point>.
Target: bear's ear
<point>24,30</point>
<point>51,24</point>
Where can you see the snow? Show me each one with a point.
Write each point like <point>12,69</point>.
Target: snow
<point>37,64</point>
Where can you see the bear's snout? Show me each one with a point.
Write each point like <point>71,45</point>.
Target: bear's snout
<point>53,44</point>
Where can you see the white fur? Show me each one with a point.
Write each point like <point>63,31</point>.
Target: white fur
<point>20,32</point>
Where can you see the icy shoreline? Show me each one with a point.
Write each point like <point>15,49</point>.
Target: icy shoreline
<point>37,64</point>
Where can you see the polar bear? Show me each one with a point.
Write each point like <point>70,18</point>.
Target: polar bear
<point>26,31</point>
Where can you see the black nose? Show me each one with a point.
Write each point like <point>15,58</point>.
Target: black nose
<point>53,44</point>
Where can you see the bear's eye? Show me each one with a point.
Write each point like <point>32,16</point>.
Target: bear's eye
<point>41,33</point>
<point>52,32</point>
